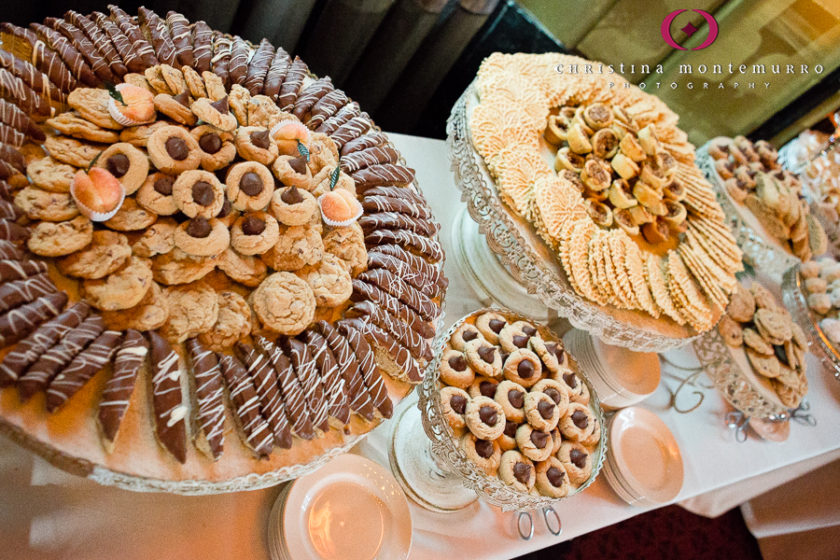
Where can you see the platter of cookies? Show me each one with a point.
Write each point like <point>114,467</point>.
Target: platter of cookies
<point>509,410</point>
<point>811,292</point>
<point>773,219</point>
<point>590,195</point>
<point>756,356</point>
<point>216,272</point>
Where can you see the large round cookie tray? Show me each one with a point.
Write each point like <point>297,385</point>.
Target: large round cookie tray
<point>70,438</point>
<point>530,261</point>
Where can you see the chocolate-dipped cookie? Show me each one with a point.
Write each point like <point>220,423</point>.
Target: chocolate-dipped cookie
<point>116,395</point>
<point>256,433</point>
<point>209,435</point>
<point>294,399</point>
<point>358,397</point>
<point>265,383</point>
<point>170,412</point>
<point>79,371</point>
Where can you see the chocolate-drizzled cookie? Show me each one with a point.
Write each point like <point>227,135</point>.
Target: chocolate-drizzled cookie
<point>39,374</point>
<point>293,396</point>
<point>402,364</point>
<point>370,156</point>
<point>412,275</point>
<point>271,401</point>
<point>352,330</point>
<point>407,192</point>
<point>291,85</point>
<point>179,30</point>
<point>258,67</point>
<point>43,338</point>
<point>9,211</point>
<point>220,62</point>
<point>14,89</point>
<point>17,270</point>
<point>352,129</point>
<point>97,63</point>
<point>26,290</point>
<point>428,247</point>
<point>277,73</point>
<point>19,322</point>
<point>100,41</point>
<point>133,59</point>
<point>346,113</point>
<point>69,54</point>
<point>395,220</point>
<point>31,76</point>
<point>394,285</point>
<point>8,173</point>
<point>202,44</point>
<point>14,117</point>
<point>139,44</point>
<point>364,291</point>
<point>239,60</point>
<point>327,106</point>
<point>373,203</point>
<point>118,389</point>
<point>330,376</point>
<point>382,174</point>
<point>158,33</point>
<point>258,436</point>
<point>11,232</point>
<point>13,136</point>
<point>42,57</point>
<point>310,95</point>
<point>79,371</point>
<point>306,371</point>
<point>167,401</point>
<point>370,140</point>
<point>354,385</point>
<point>12,155</point>
<point>6,194</point>
<point>209,395</point>
<point>418,346</point>
<point>9,251</point>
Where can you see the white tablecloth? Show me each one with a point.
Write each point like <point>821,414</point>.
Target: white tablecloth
<point>47,514</point>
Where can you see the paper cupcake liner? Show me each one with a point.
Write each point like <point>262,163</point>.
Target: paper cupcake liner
<point>93,215</point>
<point>343,223</point>
<point>117,115</point>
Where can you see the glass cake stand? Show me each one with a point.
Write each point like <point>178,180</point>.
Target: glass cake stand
<point>507,263</point>
<point>760,250</point>
<point>436,472</point>
<point>796,302</point>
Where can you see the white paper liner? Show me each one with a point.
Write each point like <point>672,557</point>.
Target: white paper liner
<point>93,215</point>
<point>117,115</point>
<point>344,223</point>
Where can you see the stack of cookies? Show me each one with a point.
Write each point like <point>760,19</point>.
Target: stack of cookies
<point>753,176</point>
<point>220,210</point>
<point>631,218</point>
<point>511,394</point>
<point>775,345</point>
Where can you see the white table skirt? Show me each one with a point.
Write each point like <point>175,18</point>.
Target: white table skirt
<point>47,514</point>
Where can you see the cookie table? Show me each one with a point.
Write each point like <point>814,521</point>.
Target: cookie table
<point>45,513</point>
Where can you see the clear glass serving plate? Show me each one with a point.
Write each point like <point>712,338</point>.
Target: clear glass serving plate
<point>530,261</point>
<point>446,448</point>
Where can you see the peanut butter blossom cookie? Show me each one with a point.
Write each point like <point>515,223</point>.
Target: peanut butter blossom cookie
<point>517,412</point>
<point>203,219</point>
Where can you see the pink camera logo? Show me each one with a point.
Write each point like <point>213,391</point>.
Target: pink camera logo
<point>689,29</point>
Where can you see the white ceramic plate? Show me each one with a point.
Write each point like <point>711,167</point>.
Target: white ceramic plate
<point>646,455</point>
<point>637,373</point>
<point>350,509</point>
